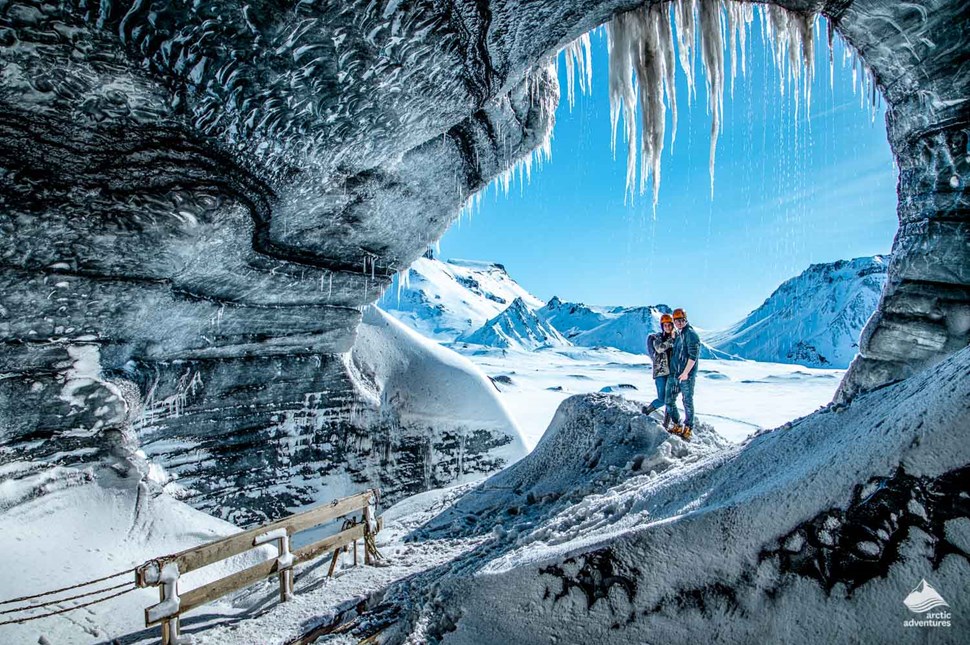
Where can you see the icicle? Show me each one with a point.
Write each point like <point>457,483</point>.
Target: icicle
<point>732,15</point>
<point>807,31</point>
<point>747,17</point>
<point>684,28</point>
<point>712,57</point>
<point>578,53</point>
<point>831,39</point>
<point>403,282</point>
<point>665,40</point>
<point>622,41</point>
<point>641,47</point>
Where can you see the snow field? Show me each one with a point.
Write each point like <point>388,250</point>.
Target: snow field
<point>737,398</point>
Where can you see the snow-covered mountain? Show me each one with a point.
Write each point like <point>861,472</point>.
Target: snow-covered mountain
<point>518,327</point>
<point>813,319</point>
<point>471,301</point>
<point>444,300</point>
<point>625,328</point>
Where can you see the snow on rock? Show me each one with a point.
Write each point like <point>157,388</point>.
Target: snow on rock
<point>517,327</point>
<point>594,441</point>
<point>443,300</point>
<point>814,319</point>
<point>432,400</point>
<point>813,532</point>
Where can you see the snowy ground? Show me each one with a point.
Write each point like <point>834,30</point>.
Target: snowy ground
<point>89,531</point>
<point>737,398</point>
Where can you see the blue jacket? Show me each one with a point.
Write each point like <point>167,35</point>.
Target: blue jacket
<point>687,345</point>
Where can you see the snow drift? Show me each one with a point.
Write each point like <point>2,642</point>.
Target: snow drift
<point>93,529</point>
<point>594,441</point>
<point>814,532</point>
<point>814,319</point>
<point>431,400</point>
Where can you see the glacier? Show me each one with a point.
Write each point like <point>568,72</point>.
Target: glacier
<point>199,200</point>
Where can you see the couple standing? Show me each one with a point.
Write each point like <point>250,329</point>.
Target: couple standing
<point>674,351</point>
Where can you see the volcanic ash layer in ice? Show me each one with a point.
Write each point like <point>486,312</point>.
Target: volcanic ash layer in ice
<point>809,533</point>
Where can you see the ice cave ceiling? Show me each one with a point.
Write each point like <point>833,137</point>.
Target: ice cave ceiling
<point>196,198</point>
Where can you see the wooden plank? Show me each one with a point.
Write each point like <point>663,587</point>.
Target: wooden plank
<point>315,550</point>
<point>214,590</point>
<point>198,557</point>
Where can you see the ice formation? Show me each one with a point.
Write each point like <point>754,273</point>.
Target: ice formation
<point>579,60</point>
<point>641,69</point>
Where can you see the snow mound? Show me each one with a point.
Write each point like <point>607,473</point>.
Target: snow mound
<point>815,319</point>
<point>814,532</point>
<point>444,300</point>
<point>434,398</point>
<point>92,530</point>
<point>517,327</point>
<point>594,441</point>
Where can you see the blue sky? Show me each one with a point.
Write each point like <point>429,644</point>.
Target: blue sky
<point>787,194</point>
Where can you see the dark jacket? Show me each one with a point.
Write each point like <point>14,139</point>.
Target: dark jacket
<point>686,345</point>
<point>659,346</point>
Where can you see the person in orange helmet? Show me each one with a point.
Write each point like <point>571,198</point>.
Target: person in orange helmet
<point>683,374</point>
<point>659,346</point>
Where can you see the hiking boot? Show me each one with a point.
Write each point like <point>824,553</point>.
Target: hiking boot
<point>685,433</point>
<point>647,409</point>
<point>676,429</point>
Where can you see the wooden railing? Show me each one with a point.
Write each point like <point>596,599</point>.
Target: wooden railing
<point>164,572</point>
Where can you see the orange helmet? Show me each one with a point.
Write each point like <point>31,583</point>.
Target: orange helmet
<point>665,319</point>
<point>680,313</point>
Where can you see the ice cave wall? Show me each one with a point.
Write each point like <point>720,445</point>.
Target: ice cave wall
<point>197,198</point>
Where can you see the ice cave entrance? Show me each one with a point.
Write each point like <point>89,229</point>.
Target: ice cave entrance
<point>772,223</point>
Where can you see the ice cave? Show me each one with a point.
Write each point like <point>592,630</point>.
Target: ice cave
<point>199,201</point>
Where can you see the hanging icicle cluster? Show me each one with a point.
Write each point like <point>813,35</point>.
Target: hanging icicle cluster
<point>646,45</point>
<point>642,46</point>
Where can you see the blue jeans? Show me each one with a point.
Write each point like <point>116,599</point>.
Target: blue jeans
<point>675,387</point>
<point>661,383</point>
